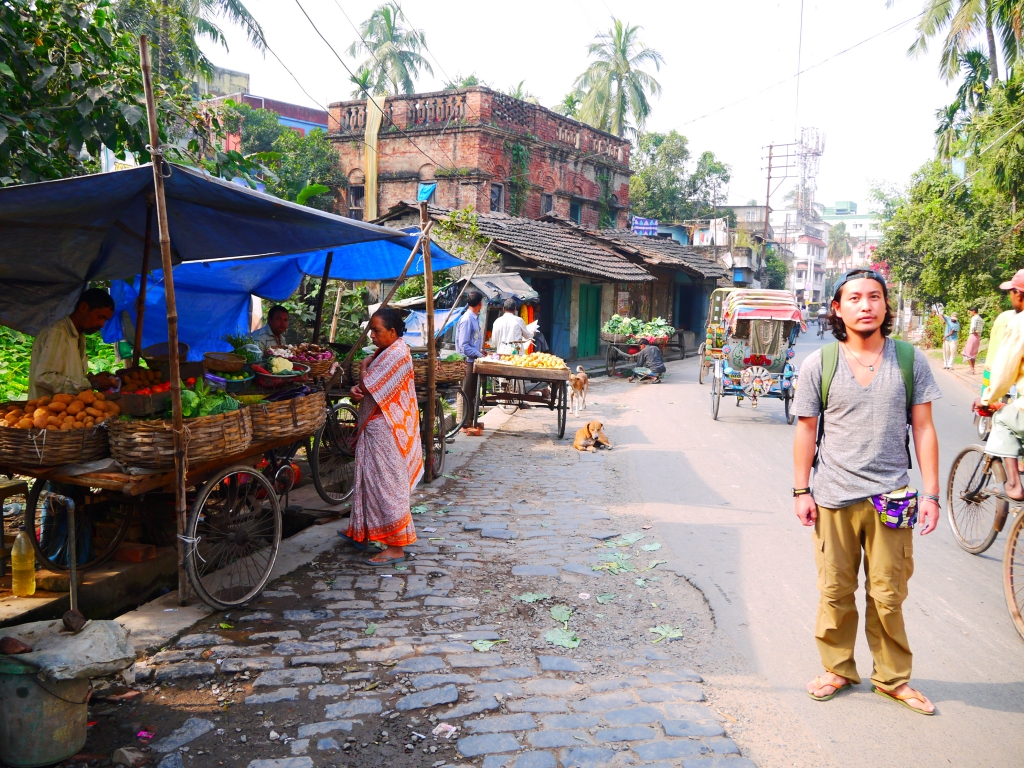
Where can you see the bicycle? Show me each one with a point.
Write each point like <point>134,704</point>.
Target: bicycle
<point>979,510</point>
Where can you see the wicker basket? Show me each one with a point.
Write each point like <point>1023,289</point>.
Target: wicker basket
<point>298,417</point>
<point>454,370</point>
<point>150,444</point>
<point>52,447</point>
<point>223,362</point>
<point>318,369</point>
<point>615,338</point>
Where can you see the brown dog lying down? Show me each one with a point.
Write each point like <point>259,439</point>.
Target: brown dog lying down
<point>591,437</point>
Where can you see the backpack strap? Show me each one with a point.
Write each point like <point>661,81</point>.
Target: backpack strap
<point>905,358</point>
<point>829,363</point>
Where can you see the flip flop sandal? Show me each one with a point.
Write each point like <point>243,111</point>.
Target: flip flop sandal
<point>903,699</point>
<point>385,563</point>
<point>349,540</point>
<point>820,684</point>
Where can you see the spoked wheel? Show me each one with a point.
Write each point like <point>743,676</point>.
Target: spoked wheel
<point>1013,573</point>
<point>716,396</point>
<point>333,456</point>
<point>984,427</point>
<point>561,407</point>
<point>456,411</point>
<point>101,522</point>
<point>610,356</point>
<point>972,500</point>
<point>440,441</point>
<point>788,400</point>
<point>703,371</point>
<point>232,537</point>
<point>511,389</point>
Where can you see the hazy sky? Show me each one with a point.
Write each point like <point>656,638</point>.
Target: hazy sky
<point>874,104</point>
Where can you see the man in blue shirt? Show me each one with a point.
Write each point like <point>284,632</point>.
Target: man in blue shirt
<point>950,339</point>
<point>469,342</point>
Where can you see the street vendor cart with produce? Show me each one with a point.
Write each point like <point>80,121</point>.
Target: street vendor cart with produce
<point>515,381</point>
<point>623,335</point>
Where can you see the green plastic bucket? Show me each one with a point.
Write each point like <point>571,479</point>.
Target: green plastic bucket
<point>41,722</point>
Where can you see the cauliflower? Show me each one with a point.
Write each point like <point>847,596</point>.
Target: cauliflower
<point>279,365</point>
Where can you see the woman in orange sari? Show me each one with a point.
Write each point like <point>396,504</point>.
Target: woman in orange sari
<point>389,454</point>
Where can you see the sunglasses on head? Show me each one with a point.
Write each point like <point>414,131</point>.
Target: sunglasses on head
<point>856,274</point>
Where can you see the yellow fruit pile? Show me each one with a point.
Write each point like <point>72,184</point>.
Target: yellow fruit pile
<point>535,360</point>
<point>63,412</point>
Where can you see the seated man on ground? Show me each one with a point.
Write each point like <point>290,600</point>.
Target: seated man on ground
<point>649,363</point>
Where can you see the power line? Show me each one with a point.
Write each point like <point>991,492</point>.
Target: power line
<point>368,95</point>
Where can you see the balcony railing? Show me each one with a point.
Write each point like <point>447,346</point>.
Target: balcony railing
<point>435,109</point>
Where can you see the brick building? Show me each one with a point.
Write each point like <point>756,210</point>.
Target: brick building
<point>474,144</point>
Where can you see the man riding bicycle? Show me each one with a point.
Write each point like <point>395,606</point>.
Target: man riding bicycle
<point>822,321</point>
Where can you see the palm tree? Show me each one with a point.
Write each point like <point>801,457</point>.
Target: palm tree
<point>615,88</point>
<point>965,21</point>
<point>394,60</point>
<point>176,26</point>
<point>519,91</point>
<point>569,105</point>
<point>839,245</point>
<point>362,80</point>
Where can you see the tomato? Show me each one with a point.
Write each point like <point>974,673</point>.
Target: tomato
<point>191,381</point>
<point>144,391</point>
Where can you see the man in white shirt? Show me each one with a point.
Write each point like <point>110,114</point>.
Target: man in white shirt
<point>509,328</point>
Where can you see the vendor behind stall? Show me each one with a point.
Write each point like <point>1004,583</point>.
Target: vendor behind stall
<point>272,334</point>
<point>509,328</point>
<point>59,363</point>
<point>650,365</point>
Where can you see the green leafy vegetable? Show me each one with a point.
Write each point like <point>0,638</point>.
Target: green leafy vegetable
<point>562,637</point>
<point>561,613</point>
<point>666,632</point>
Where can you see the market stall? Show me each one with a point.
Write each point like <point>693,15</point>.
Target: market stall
<point>512,381</point>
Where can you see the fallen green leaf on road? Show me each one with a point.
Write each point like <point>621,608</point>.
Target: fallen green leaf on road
<point>651,547</point>
<point>630,538</point>
<point>531,597</point>
<point>641,582</point>
<point>605,598</point>
<point>562,637</point>
<point>450,477</point>
<point>370,629</point>
<point>401,567</point>
<point>666,632</point>
<point>225,625</point>
<point>485,645</point>
<point>419,509</point>
<point>371,686</point>
<point>613,567</point>
<point>619,557</point>
<point>654,564</point>
<point>561,613</point>
<point>436,538</point>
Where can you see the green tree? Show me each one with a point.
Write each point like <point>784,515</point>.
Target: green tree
<point>258,127</point>
<point>307,164</point>
<point>460,81</point>
<point>615,88</point>
<point>839,248</point>
<point>569,105</point>
<point>963,22</point>
<point>657,189</point>
<point>776,269</point>
<point>394,59</point>
<point>519,91</point>
<point>70,80</point>
<point>175,28</point>
<point>706,187</point>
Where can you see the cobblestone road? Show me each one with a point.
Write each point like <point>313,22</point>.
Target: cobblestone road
<point>341,664</point>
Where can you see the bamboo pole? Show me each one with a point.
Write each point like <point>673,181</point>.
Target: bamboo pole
<point>334,318</point>
<point>320,297</point>
<point>140,307</point>
<point>428,279</point>
<point>177,423</point>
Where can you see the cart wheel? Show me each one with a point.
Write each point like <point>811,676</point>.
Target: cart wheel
<point>232,537</point>
<point>440,440</point>
<point>456,411</point>
<point>1013,573</point>
<point>703,372</point>
<point>716,396</point>
<point>101,523</point>
<point>788,400</point>
<point>332,459</point>
<point>610,358</point>
<point>562,407</point>
<point>509,388</point>
<point>972,500</point>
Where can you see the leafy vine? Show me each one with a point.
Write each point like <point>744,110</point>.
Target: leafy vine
<point>519,176</point>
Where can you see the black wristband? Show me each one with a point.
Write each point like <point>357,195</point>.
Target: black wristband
<point>801,491</point>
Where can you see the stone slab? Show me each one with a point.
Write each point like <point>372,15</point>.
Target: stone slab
<point>347,709</point>
<point>273,697</point>
<point>431,697</point>
<point>189,731</point>
<point>487,744</point>
<point>502,723</point>
<point>328,726</point>
<point>300,676</point>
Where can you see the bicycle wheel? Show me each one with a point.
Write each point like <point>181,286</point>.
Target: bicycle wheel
<point>972,500</point>
<point>333,456</point>
<point>562,407</point>
<point>703,371</point>
<point>456,410</point>
<point>233,535</point>
<point>716,396</point>
<point>101,522</point>
<point>1013,573</point>
<point>510,389</point>
<point>440,441</point>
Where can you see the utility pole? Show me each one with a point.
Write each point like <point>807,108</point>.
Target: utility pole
<point>772,166</point>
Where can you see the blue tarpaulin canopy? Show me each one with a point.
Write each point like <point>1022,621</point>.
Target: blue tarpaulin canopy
<point>56,236</point>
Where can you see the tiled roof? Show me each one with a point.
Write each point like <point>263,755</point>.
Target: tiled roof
<point>663,252</point>
<point>556,246</point>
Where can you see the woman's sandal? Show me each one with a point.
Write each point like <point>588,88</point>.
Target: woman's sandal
<point>383,563</point>
<point>819,684</point>
<point>911,694</point>
<point>349,540</point>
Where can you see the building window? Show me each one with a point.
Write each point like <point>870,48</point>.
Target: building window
<point>356,201</point>
<point>547,204</point>
<point>497,198</point>
<point>750,216</point>
<point>575,212</point>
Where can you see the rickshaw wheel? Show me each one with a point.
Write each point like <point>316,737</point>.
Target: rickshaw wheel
<point>703,371</point>
<point>332,459</point>
<point>716,396</point>
<point>972,501</point>
<point>99,528</point>
<point>788,401</point>
<point>561,407</point>
<point>1013,573</point>
<point>232,537</point>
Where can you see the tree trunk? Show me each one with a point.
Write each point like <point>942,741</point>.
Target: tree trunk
<point>993,61</point>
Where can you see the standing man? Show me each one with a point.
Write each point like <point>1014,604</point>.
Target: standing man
<point>973,344</point>
<point>59,363</point>
<point>871,387</point>
<point>469,343</point>
<point>509,328</point>
<point>272,334</point>
<point>950,337</point>
<point>1015,290</point>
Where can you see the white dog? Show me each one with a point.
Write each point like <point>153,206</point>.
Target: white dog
<point>578,382</point>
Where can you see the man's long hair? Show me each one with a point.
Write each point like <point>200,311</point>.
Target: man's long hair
<point>836,323</point>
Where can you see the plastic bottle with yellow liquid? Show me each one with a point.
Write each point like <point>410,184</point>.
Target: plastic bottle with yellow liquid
<point>23,565</point>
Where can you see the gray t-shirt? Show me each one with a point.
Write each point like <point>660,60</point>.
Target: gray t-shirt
<point>863,451</point>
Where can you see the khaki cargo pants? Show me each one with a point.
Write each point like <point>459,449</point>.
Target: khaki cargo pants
<point>839,537</point>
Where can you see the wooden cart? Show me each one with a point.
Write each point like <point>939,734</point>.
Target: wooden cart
<point>508,388</point>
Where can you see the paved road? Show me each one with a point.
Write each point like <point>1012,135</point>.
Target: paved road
<point>721,491</point>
